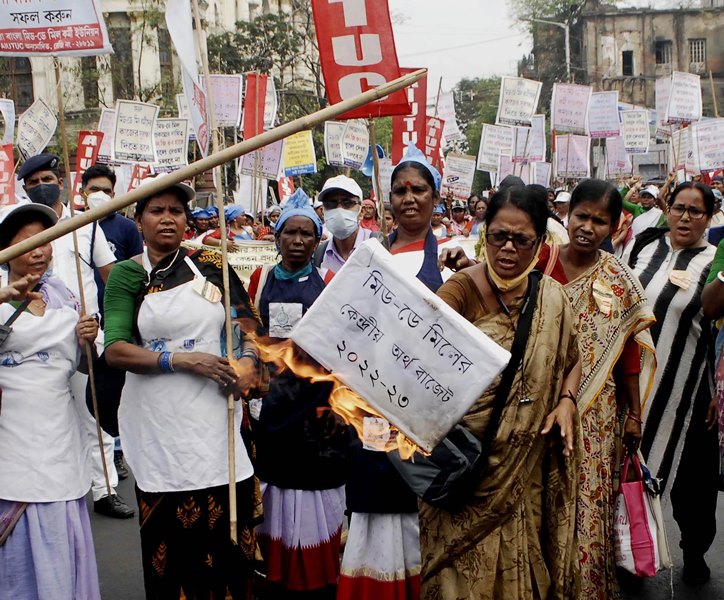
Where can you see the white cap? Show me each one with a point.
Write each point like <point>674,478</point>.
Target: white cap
<point>563,198</point>
<point>341,182</point>
<point>652,190</point>
<point>317,204</point>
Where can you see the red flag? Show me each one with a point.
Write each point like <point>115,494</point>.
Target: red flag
<point>433,138</point>
<point>89,144</point>
<point>286,188</point>
<point>410,128</point>
<point>254,102</point>
<point>139,173</point>
<point>7,175</point>
<point>357,52</point>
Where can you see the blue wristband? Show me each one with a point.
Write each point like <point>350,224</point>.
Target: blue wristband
<point>165,362</point>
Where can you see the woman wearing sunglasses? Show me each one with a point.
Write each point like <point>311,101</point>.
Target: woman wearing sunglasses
<point>515,536</point>
<point>679,441</point>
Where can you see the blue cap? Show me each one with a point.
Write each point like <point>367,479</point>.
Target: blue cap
<point>233,211</point>
<point>212,210</point>
<point>39,162</point>
<point>299,205</point>
<point>413,154</point>
<point>201,213</point>
<point>439,210</point>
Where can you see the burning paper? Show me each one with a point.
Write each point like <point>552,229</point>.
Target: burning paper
<point>386,336</point>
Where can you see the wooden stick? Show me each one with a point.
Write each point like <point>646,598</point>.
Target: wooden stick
<point>376,181</point>
<point>161,183</point>
<point>230,401</point>
<point>437,99</point>
<point>76,253</point>
<point>713,95</point>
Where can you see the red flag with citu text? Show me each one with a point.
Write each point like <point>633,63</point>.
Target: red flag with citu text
<point>433,139</point>
<point>411,127</point>
<point>254,103</point>
<point>89,144</point>
<point>357,52</point>
<point>7,175</point>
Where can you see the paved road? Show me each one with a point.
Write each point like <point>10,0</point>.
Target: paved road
<point>118,552</point>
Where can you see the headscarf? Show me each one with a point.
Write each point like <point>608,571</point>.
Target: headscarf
<point>413,154</point>
<point>233,212</point>
<point>299,205</point>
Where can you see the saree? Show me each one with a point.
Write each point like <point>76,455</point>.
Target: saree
<point>611,307</point>
<point>515,539</point>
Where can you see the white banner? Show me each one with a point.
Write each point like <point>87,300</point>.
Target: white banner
<point>36,127</point>
<point>542,173</point>
<point>494,140</point>
<point>618,163</point>
<point>635,131</point>
<point>708,146</point>
<point>603,120</point>
<point>266,162</point>
<point>333,132</point>
<point>506,167</point>
<point>518,101</point>
<point>457,177</point>
<point>529,143</point>
<point>390,339</point>
<point>684,104</point>
<point>197,104</point>
<point>271,104</point>
<point>227,91</point>
<point>573,156</point>
<point>7,109</point>
<point>179,23</point>
<point>446,111</point>
<point>133,132</point>
<point>355,143</point>
<point>52,28</point>
<point>171,137</point>
<point>569,108</point>
<point>107,126</point>
<point>662,92</point>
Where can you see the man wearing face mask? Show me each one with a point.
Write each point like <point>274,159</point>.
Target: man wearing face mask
<point>341,199</point>
<point>42,182</point>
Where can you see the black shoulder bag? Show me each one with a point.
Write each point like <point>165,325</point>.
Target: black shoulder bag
<point>448,477</point>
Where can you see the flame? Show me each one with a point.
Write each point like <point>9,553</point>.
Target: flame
<point>346,403</point>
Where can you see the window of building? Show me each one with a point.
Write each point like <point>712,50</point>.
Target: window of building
<point>16,82</point>
<point>697,52</point>
<point>165,61</point>
<point>89,79</point>
<point>121,63</point>
<point>663,52</point>
<point>627,63</point>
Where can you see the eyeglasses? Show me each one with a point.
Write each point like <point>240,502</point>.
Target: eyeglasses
<point>695,214</point>
<point>347,203</point>
<point>500,239</point>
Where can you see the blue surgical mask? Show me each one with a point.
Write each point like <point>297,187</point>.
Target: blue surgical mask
<point>340,222</point>
<point>45,193</point>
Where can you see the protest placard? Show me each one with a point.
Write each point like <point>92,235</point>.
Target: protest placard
<point>680,150</point>
<point>457,178</point>
<point>618,163</point>
<point>133,132</point>
<point>603,120</point>
<point>541,174</point>
<point>333,132</point>
<point>708,147</point>
<point>197,104</point>
<point>433,139</point>
<point>58,28</point>
<point>7,175</point>
<point>684,105</point>
<point>355,143</point>
<point>227,92</point>
<point>138,174</point>
<point>184,113</point>
<point>248,256</point>
<point>106,125</point>
<point>518,101</point>
<point>569,108</point>
<point>89,144</point>
<point>298,155</point>
<point>446,111</point>
<point>573,156</point>
<point>271,104</point>
<point>506,167</point>
<point>36,127</point>
<point>384,334</point>
<point>7,110</point>
<point>494,140</point>
<point>249,191</point>
<point>662,90</point>
<point>265,162</point>
<point>171,137</point>
<point>635,131</point>
<point>529,143</point>
<point>410,127</point>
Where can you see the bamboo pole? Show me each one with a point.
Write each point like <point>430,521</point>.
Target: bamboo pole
<point>161,183</point>
<point>376,181</point>
<point>713,94</point>
<point>230,401</point>
<point>81,291</point>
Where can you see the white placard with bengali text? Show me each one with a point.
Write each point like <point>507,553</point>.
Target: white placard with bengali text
<point>333,132</point>
<point>171,137</point>
<point>662,90</point>
<point>7,108</point>
<point>266,161</point>
<point>506,167</point>
<point>355,143</point>
<point>603,119</point>
<point>457,177</point>
<point>542,173</point>
<point>573,156</point>
<point>36,127</point>
<point>227,92</point>
<point>681,155</point>
<point>446,111</point>
<point>494,140</point>
<point>384,334</point>
<point>708,144</point>
<point>107,126</point>
<point>684,105</point>
<point>133,132</point>
<point>518,101</point>
<point>569,108</point>
<point>618,163</point>
<point>635,131</point>
<point>530,142</point>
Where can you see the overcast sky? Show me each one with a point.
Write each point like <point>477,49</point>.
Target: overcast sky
<point>464,38</point>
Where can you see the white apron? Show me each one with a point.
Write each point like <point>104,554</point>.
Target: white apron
<point>174,426</point>
<point>43,454</point>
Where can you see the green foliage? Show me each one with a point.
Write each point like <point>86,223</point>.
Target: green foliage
<point>558,10</point>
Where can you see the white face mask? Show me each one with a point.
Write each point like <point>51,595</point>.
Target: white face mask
<point>340,222</point>
<point>97,199</point>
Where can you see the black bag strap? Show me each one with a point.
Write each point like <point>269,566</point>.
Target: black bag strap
<point>319,253</point>
<point>20,309</point>
<point>506,381</point>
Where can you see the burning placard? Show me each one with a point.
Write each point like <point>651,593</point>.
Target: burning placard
<point>384,334</point>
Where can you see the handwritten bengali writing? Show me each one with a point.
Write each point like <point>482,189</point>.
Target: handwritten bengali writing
<point>386,296</point>
<point>402,356</point>
<point>363,323</point>
<point>25,17</point>
<point>435,336</point>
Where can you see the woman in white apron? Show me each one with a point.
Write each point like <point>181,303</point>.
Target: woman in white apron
<point>164,323</point>
<point>46,546</point>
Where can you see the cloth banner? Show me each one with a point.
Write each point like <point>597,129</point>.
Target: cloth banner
<point>36,127</point>
<point>573,156</point>
<point>384,334</point>
<point>298,154</point>
<point>410,127</point>
<point>357,52</point>
<point>106,126</point>
<point>684,105</point>
<point>179,22</point>
<point>271,104</point>
<point>7,110</point>
<point>603,119</point>
<point>506,167</point>
<point>635,131</point>
<point>133,132</point>
<point>529,143</point>
<point>618,163</point>
<point>57,28</point>
<point>434,127</point>
<point>227,92</point>
<point>333,132</point>
<point>139,173</point>
<point>247,258</point>
<point>254,104</point>
<point>518,101</point>
<point>708,147</point>
<point>89,144</point>
<point>446,111</point>
<point>457,178</point>
<point>265,162</point>
<point>7,175</point>
<point>171,137</point>
<point>542,173</point>
<point>355,143</point>
<point>494,140</point>
<point>569,108</point>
